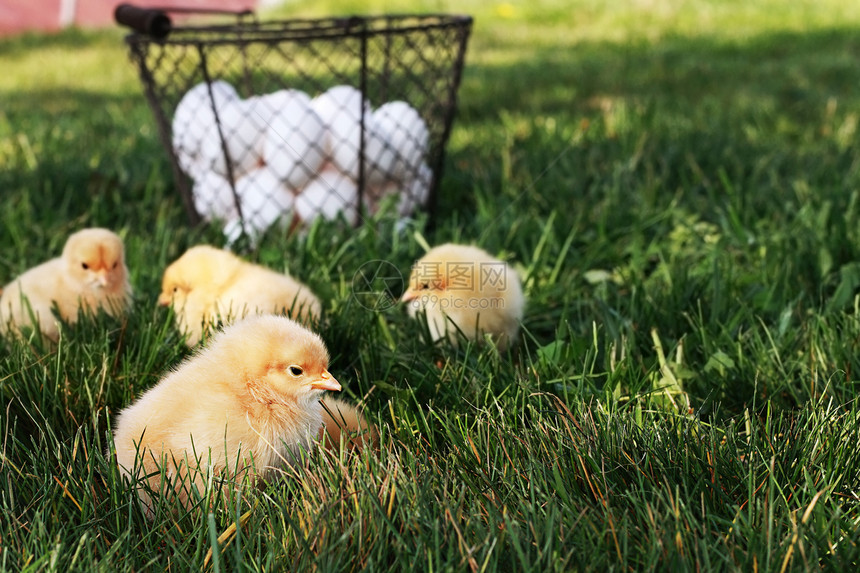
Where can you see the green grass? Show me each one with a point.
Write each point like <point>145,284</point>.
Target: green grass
<point>679,186</point>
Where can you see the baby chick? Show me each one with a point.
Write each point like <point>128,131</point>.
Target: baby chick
<point>464,288</point>
<point>206,284</point>
<point>90,274</point>
<point>242,407</point>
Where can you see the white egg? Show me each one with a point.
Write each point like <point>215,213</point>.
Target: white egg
<point>328,195</point>
<point>213,197</point>
<point>406,196</point>
<point>263,199</point>
<point>340,109</point>
<point>194,123</point>
<point>240,133</point>
<point>233,229</point>
<point>269,105</point>
<point>192,165</point>
<point>222,91</point>
<point>382,162</point>
<point>187,134</point>
<point>406,132</point>
<point>294,146</point>
<point>243,133</point>
<point>264,107</point>
<point>415,194</point>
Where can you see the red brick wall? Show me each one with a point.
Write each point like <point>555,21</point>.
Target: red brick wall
<point>20,15</point>
<point>44,15</point>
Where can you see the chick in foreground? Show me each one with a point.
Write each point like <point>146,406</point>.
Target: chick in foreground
<point>207,284</point>
<point>463,288</point>
<point>89,274</point>
<point>242,407</point>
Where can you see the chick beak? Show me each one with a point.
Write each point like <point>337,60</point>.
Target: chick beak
<point>163,300</point>
<point>103,278</point>
<point>409,295</point>
<point>326,382</point>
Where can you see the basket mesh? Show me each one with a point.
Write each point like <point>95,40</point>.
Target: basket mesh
<point>285,121</point>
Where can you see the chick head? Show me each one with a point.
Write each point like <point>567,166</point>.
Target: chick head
<point>279,360</point>
<point>447,271</point>
<point>199,266</point>
<point>463,288</point>
<point>96,259</point>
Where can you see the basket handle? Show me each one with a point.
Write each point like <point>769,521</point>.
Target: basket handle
<point>149,21</point>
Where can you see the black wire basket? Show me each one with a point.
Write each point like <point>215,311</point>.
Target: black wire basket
<point>281,122</point>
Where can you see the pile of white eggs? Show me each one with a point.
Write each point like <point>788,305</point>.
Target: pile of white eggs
<point>294,158</point>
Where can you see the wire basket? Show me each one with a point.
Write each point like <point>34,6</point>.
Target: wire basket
<point>281,122</point>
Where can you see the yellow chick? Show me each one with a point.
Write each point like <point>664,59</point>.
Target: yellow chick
<point>207,284</point>
<point>90,274</point>
<point>463,287</point>
<point>342,419</point>
<point>243,406</point>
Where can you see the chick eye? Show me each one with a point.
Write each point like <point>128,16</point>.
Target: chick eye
<point>115,264</point>
<point>296,370</point>
<point>85,265</point>
<point>425,286</point>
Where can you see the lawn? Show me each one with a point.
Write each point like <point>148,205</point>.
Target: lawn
<point>678,184</point>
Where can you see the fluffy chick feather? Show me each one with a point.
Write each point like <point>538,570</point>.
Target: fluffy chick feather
<point>207,284</point>
<point>90,274</point>
<point>242,407</point>
<point>462,287</point>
